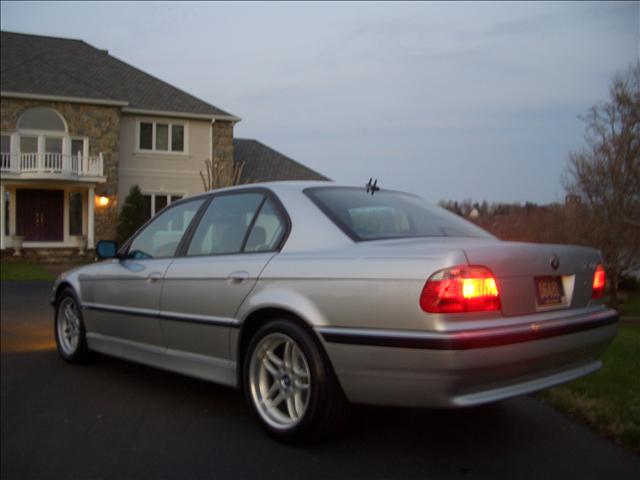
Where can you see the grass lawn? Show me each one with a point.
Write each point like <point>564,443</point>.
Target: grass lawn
<point>608,400</point>
<point>630,305</point>
<point>12,271</point>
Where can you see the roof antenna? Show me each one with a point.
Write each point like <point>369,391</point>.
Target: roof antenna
<point>372,187</point>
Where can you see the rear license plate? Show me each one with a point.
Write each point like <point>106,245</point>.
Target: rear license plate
<point>549,291</point>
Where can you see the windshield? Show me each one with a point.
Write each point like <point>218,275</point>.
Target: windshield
<point>388,214</point>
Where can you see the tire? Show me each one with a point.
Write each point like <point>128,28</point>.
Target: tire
<point>290,385</point>
<point>71,339</point>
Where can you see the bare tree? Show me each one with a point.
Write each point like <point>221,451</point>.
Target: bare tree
<point>221,174</point>
<point>605,174</point>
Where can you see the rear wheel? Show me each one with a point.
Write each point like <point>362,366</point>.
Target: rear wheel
<point>69,329</point>
<point>290,384</point>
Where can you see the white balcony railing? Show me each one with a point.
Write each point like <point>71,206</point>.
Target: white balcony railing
<point>54,164</point>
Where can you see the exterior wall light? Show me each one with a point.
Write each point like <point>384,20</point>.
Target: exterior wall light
<point>102,200</point>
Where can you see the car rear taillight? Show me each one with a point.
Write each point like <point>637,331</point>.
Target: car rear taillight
<point>599,282</point>
<point>460,289</point>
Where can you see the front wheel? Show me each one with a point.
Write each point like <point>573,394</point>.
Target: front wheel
<point>290,384</point>
<point>69,329</point>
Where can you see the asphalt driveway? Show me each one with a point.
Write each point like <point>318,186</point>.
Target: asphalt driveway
<point>113,419</point>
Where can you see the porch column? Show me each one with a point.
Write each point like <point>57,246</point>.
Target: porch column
<point>90,207</point>
<point>3,220</point>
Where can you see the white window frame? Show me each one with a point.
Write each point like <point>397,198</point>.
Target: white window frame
<point>170,123</point>
<point>14,141</point>
<point>162,194</point>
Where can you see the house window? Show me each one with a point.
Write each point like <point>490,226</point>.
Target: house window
<point>43,131</point>
<point>146,136</point>
<point>154,202</point>
<point>177,138</point>
<point>7,209</point>
<point>77,146</point>
<point>28,144</point>
<point>146,206</point>
<point>161,137</point>
<point>53,145</point>
<point>6,144</point>
<point>161,202</point>
<point>5,157</point>
<point>75,213</point>
<point>41,118</point>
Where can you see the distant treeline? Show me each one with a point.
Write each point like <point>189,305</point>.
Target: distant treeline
<point>529,222</point>
<point>468,208</point>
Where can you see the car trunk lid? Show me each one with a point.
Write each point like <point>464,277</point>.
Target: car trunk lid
<point>525,271</point>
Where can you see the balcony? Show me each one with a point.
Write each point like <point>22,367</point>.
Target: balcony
<point>51,166</point>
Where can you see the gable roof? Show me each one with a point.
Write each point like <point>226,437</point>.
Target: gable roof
<point>264,164</point>
<point>62,67</point>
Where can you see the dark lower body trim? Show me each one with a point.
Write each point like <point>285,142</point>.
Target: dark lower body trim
<point>463,340</point>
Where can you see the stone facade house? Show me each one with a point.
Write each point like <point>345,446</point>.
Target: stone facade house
<point>80,127</point>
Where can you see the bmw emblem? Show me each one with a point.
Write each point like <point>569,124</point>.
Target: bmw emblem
<point>555,261</point>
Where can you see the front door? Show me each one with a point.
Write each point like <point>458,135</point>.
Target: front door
<point>126,298</point>
<point>40,215</point>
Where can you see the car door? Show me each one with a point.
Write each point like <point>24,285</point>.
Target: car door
<point>126,292</point>
<point>236,237</point>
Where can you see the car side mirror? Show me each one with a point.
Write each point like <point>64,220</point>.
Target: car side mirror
<point>106,249</point>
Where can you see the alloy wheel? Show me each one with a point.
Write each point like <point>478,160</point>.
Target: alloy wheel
<point>280,380</point>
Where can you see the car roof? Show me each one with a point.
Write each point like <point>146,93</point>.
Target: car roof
<point>285,185</point>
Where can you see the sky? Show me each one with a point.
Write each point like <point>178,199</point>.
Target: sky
<point>457,101</point>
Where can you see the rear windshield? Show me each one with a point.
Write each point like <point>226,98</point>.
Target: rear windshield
<point>388,214</point>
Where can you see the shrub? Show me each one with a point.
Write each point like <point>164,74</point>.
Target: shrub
<point>132,215</point>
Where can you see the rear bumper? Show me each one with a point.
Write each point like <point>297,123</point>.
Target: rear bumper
<point>434,369</point>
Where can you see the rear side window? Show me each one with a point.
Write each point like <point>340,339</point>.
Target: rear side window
<point>388,214</point>
<point>267,230</point>
<point>225,224</point>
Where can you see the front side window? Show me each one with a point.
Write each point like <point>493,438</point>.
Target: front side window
<point>161,137</point>
<point>224,226</point>
<point>161,237</point>
<point>388,214</point>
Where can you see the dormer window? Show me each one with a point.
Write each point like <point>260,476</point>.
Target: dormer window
<point>161,136</point>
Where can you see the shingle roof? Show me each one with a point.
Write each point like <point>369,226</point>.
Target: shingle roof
<point>264,164</point>
<point>35,64</point>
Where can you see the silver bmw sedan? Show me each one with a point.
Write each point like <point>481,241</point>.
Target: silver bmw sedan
<point>310,296</point>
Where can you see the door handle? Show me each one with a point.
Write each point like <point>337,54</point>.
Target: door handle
<point>154,277</point>
<point>238,277</point>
